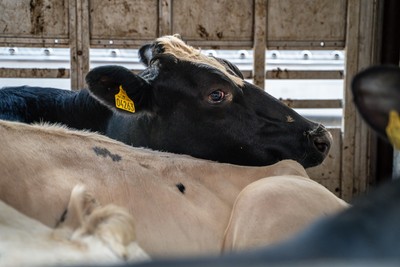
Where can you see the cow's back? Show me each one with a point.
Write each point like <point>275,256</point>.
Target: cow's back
<point>173,197</point>
<point>182,205</point>
<point>289,203</point>
<point>29,104</point>
<point>76,109</point>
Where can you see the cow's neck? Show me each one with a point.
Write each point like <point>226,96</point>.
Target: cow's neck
<point>81,111</point>
<point>134,130</point>
<point>227,180</point>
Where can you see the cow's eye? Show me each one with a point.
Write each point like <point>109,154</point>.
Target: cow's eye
<point>216,96</point>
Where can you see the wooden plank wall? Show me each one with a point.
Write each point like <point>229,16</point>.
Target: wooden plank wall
<point>225,24</point>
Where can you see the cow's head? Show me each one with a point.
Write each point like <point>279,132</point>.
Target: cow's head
<point>201,106</point>
<point>376,94</point>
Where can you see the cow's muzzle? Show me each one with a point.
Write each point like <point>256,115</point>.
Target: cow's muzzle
<point>321,139</point>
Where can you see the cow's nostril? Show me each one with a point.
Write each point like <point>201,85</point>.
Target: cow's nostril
<point>322,145</point>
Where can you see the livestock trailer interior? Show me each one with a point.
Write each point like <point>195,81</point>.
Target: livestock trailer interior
<point>304,52</point>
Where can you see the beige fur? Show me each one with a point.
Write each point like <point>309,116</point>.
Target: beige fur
<point>175,46</point>
<point>90,234</point>
<point>40,165</point>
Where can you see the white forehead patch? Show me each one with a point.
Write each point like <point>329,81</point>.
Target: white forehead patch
<point>176,47</point>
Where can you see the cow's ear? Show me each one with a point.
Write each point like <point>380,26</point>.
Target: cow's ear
<point>146,54</point>
<point>119,88</point>
<point>376,93</point>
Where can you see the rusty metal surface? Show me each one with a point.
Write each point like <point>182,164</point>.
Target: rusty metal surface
<point>307,21</point>
<point>123,19</point>
<point>34,18</point>
<point>309,74</point>
<point>220,20</point>
<point>312,103</point>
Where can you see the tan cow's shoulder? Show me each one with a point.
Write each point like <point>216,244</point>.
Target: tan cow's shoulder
<point>274,208</point>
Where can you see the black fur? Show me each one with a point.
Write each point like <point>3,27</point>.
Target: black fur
<point>78,110</point>
<point>181,188</point>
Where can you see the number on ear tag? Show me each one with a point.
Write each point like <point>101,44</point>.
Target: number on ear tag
<point>393,129</point>
<point>122,101</point>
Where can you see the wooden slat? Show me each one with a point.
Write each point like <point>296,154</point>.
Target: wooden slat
<point>212,44</point>
<point>260,39</point>
<point>310,45</point>
<point>369,49</point>
<point>115,43</point>
<point>293,74</point>
<point>353,24</point>
<point>297,74</point>
<point>165,17</point>
<point>79,42</point>
<point>313,103</point>
<point>34,73</point>
<point>34,42</point>
<point>136,43</point>
<point>360,54</point>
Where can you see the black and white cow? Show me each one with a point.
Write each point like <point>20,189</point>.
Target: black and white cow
<point>366,234</point>
<point>183,102</point>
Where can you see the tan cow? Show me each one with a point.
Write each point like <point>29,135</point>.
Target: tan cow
<point>182,205</point>
<point>91,233</point>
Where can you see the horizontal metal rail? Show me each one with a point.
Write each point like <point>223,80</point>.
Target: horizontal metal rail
<point>34,73</point>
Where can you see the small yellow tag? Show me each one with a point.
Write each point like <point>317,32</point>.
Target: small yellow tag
<point>122,101</point>
<point>393,129</point>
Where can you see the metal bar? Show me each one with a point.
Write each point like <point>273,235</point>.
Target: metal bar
<point>260,39</point>
<point>313,103</point>
<point>165,17</point>
<point>34,73</point>
<point>73,45</point>
<point>79,22</point>
<point>298,74</point>
<point>294,74</point>
<point>115,43</point>
<point>34,42</point>
<point>311,45</point>
<point>128,43</point>
<point>83,42</point>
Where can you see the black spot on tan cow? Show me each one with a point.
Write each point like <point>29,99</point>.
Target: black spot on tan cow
<point>181,188</point>
<point>104,152</point>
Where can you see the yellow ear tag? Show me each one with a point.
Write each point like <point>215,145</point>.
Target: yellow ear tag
<point>393,129</point>
<point>122,101</point>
